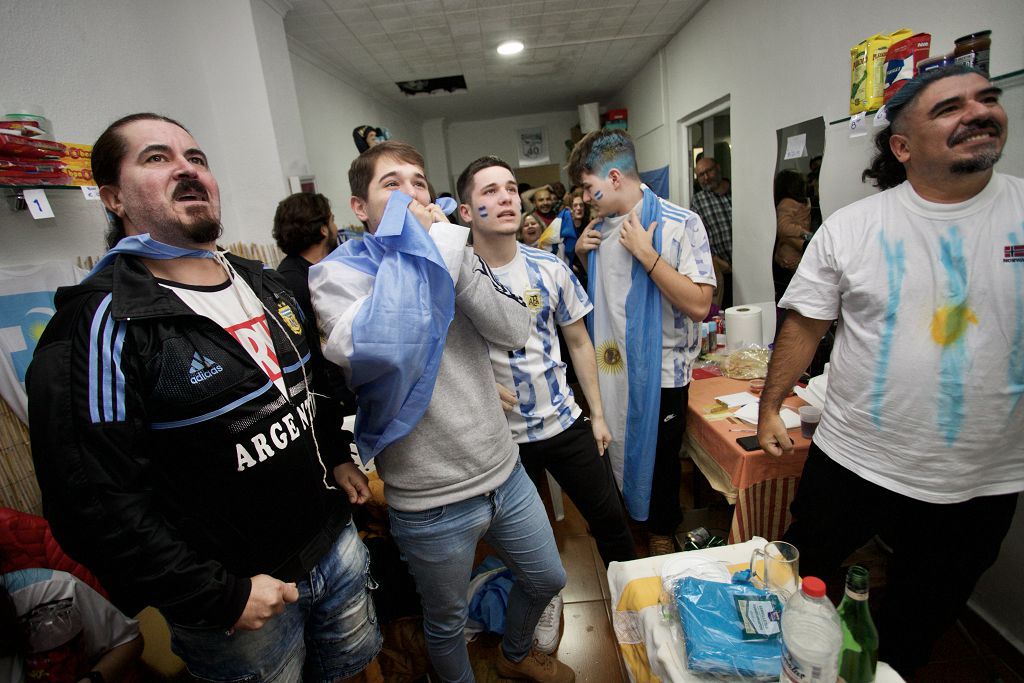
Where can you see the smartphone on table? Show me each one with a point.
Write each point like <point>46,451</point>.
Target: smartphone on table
<point>749,443</point>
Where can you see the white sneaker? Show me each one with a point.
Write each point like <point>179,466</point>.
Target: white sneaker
<point>548,631</point>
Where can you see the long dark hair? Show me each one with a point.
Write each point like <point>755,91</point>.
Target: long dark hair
<point>885,170</point>
<point>790,184</point>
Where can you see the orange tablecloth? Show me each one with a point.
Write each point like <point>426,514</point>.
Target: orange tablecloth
<point>761,485</point>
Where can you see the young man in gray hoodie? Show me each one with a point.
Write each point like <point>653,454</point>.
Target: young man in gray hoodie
<point>453,475</point>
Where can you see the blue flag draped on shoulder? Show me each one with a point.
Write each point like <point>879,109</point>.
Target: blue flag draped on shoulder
<point>398,334</point>
<point>145,246</point>
<point>634,426</point>
<point>568,235</point>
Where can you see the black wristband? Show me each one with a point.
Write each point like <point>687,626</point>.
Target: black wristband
<point>654,265</point>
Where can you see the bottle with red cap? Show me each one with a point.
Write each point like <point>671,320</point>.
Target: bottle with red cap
<point>812,635</point>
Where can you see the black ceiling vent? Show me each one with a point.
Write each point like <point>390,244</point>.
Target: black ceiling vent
<point>433,86</point>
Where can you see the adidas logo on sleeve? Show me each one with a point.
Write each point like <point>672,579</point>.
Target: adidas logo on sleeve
<point>203,368</point>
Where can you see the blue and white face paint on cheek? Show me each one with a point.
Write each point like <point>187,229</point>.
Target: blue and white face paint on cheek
<point>482,210</point>
<point>599,195</point>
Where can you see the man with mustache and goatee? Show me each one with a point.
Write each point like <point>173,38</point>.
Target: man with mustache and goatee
<point>922,437</point>
<point>173,432</point>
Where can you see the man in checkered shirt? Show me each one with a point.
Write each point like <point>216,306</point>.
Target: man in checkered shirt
<point>713,203</point>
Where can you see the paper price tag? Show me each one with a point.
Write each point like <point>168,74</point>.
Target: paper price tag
<point>91,192</point>
<point>881,119</point>
<point>858,127</point>
<point>38,205</point>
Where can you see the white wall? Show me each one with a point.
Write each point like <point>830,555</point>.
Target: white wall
<point>330,107</point>
<point>435,152</point>
<point>645,98</point>
<point>280,83</point>
<point>782,62</point>
<point>786,61</point>
<point>117,57</point>
<point>470,140</point>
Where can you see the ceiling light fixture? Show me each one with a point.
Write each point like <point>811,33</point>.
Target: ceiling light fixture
<point>510,47</point>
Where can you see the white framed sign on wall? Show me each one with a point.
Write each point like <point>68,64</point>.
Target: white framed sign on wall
<point>532,144</point>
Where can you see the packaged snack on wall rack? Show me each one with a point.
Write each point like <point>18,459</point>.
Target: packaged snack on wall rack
<point>907,51</point>
<point>858,77</point>
<point>878,46</point>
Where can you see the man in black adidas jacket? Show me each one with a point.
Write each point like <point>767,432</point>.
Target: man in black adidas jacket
<point>173,433</point>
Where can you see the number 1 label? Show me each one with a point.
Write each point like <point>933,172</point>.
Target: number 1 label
<point>38,205</point>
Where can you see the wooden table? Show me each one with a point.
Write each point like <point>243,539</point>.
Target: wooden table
<point>759,485</point>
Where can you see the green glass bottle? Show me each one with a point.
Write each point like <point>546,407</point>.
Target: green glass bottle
<point>859,656</point>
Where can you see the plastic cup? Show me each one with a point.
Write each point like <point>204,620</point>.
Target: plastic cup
<point>809,419</point>
<point>756,386</point>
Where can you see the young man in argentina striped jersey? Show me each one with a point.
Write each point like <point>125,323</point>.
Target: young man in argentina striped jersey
<point>651,278</point>
<point>541,410</point>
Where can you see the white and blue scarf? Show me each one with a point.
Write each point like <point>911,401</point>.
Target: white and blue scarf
<point>399,333</point>
<point>643,368</point>
<point>145,246</point>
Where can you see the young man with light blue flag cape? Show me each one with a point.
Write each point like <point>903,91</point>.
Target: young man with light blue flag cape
<point>408,314</point>
<point>651,278</point>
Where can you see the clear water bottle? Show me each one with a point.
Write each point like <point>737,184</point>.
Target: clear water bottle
<point>811,635</point>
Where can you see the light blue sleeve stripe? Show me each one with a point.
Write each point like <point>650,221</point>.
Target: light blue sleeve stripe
<point>94,370</point>
<point>118,374</point>
<point>294,366</point>
<point>21,579</point>
<point>107,372</point>
<point>215,413</point>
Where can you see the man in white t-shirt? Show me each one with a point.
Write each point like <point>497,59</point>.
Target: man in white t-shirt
<point>922,436</point>
<point>651,278</point>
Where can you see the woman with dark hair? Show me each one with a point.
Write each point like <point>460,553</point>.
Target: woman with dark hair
<point>580,212</point>
<point>792,227</point>
<point>530,230</point>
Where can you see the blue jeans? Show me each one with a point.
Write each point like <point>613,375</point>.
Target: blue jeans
<point>439,545</point>
<point>331,632</point>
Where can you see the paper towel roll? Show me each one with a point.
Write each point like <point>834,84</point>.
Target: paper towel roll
<point>590,117</point>
<point>742,327</point>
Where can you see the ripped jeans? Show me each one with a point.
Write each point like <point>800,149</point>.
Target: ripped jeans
<point>331,632</point>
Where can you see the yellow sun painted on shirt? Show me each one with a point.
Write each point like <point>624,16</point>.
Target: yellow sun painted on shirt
<point>949,323</point>
<point>609,360</point>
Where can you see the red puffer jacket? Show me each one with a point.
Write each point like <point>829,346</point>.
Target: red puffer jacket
<point>26,542</point>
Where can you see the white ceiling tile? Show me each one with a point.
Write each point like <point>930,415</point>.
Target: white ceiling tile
<point>341,5</point>
<point>304,7</point>
<point>419,8</point>
<point>416,39</point>
<point>369,27</point>
<point>383,13</point>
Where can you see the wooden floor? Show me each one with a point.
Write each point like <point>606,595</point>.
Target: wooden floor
<point>588,642</point>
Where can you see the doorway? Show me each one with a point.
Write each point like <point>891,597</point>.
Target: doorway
<point>709,137</point>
